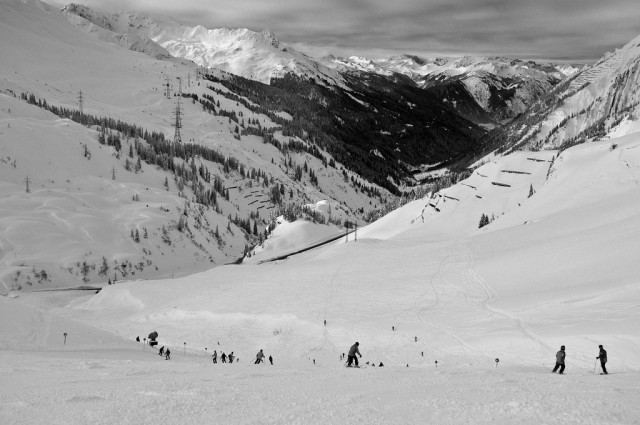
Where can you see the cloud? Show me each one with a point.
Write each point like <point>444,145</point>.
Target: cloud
<point>574,30</point>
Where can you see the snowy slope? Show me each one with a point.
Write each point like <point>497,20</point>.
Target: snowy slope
<point>556,268</point>
<point>592,103</point>
<point>100,379</point>
<point>75,205</point>
<point>468,294</point>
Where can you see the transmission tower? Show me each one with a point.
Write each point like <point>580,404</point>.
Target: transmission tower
<point>168,88</point>
<point>177,113</point>
<point>80,101</point>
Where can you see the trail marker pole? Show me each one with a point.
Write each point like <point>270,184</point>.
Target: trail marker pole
<point>436,364</point>
<point>595,366</point>
<point>497,361</point>
<point>65,341</point>
<point>185,348</point>
<point>145,344</point>
<point>205,351</point>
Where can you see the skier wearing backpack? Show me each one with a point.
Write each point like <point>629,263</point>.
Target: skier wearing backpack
<point>602,355</point>
<point>259,357</point>
<point>352,354</point>
<point>560,355</point>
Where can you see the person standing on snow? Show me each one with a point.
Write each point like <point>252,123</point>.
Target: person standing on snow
<point>167,355</point>
<point>161,352</point>
<point>560,355</point>
<point>214,357</point>
<point>259,357</point>
<point>352,354</point>
<point>270,359</point>
<point>230,357</point>
<point>603,359</point>
<point>223,358</point>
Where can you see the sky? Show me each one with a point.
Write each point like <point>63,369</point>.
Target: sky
<point>559,30</point>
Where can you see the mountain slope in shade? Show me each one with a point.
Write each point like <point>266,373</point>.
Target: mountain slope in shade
<point>257,56</point>
<point>599,100</point>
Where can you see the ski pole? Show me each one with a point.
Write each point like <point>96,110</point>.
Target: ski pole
<point>595,365</point>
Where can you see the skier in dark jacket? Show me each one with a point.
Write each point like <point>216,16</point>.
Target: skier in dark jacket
<point>161,352</point>
<point>230,357</point>
<point>223,358</point>
<point>560,355</point>
<point>215,357</point>
<point>167,355</point>
<point>270,359</point>
<point>602,355</point>
<point>259,357</point>
<point>352,354</point>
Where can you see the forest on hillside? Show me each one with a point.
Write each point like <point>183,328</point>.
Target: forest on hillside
<point>379,129</point>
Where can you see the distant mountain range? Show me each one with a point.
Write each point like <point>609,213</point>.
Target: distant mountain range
<point>502,88</point>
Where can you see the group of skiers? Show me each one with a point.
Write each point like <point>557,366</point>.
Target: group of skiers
<point>223,357</point>
<point>560,356</point>
<point>167,354</point>
<point>354,351</point>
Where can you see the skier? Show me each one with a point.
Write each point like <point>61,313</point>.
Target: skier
<point>259,357</point>
<point>393,328</point>
<point>352,354</point>
<point>168,355</point>
<point>223,358</point>
<point>230,357</point>
<point>270,359</point>
<point>603,359</point>
<point>325,323</point>
<point>214,357</point>
<point>560,355</point>
<point>138,338</point>
<point>161,352</point>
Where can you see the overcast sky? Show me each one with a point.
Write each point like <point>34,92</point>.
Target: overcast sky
<point>561,30</point>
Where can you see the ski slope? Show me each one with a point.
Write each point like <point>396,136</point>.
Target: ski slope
<point>556,268</point>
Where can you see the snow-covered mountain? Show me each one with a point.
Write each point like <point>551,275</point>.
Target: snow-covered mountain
<point>502,87</point>
<point>120,208</point>
<point>600,100</point>
<point>258,56</point>
<point>424,291</point>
